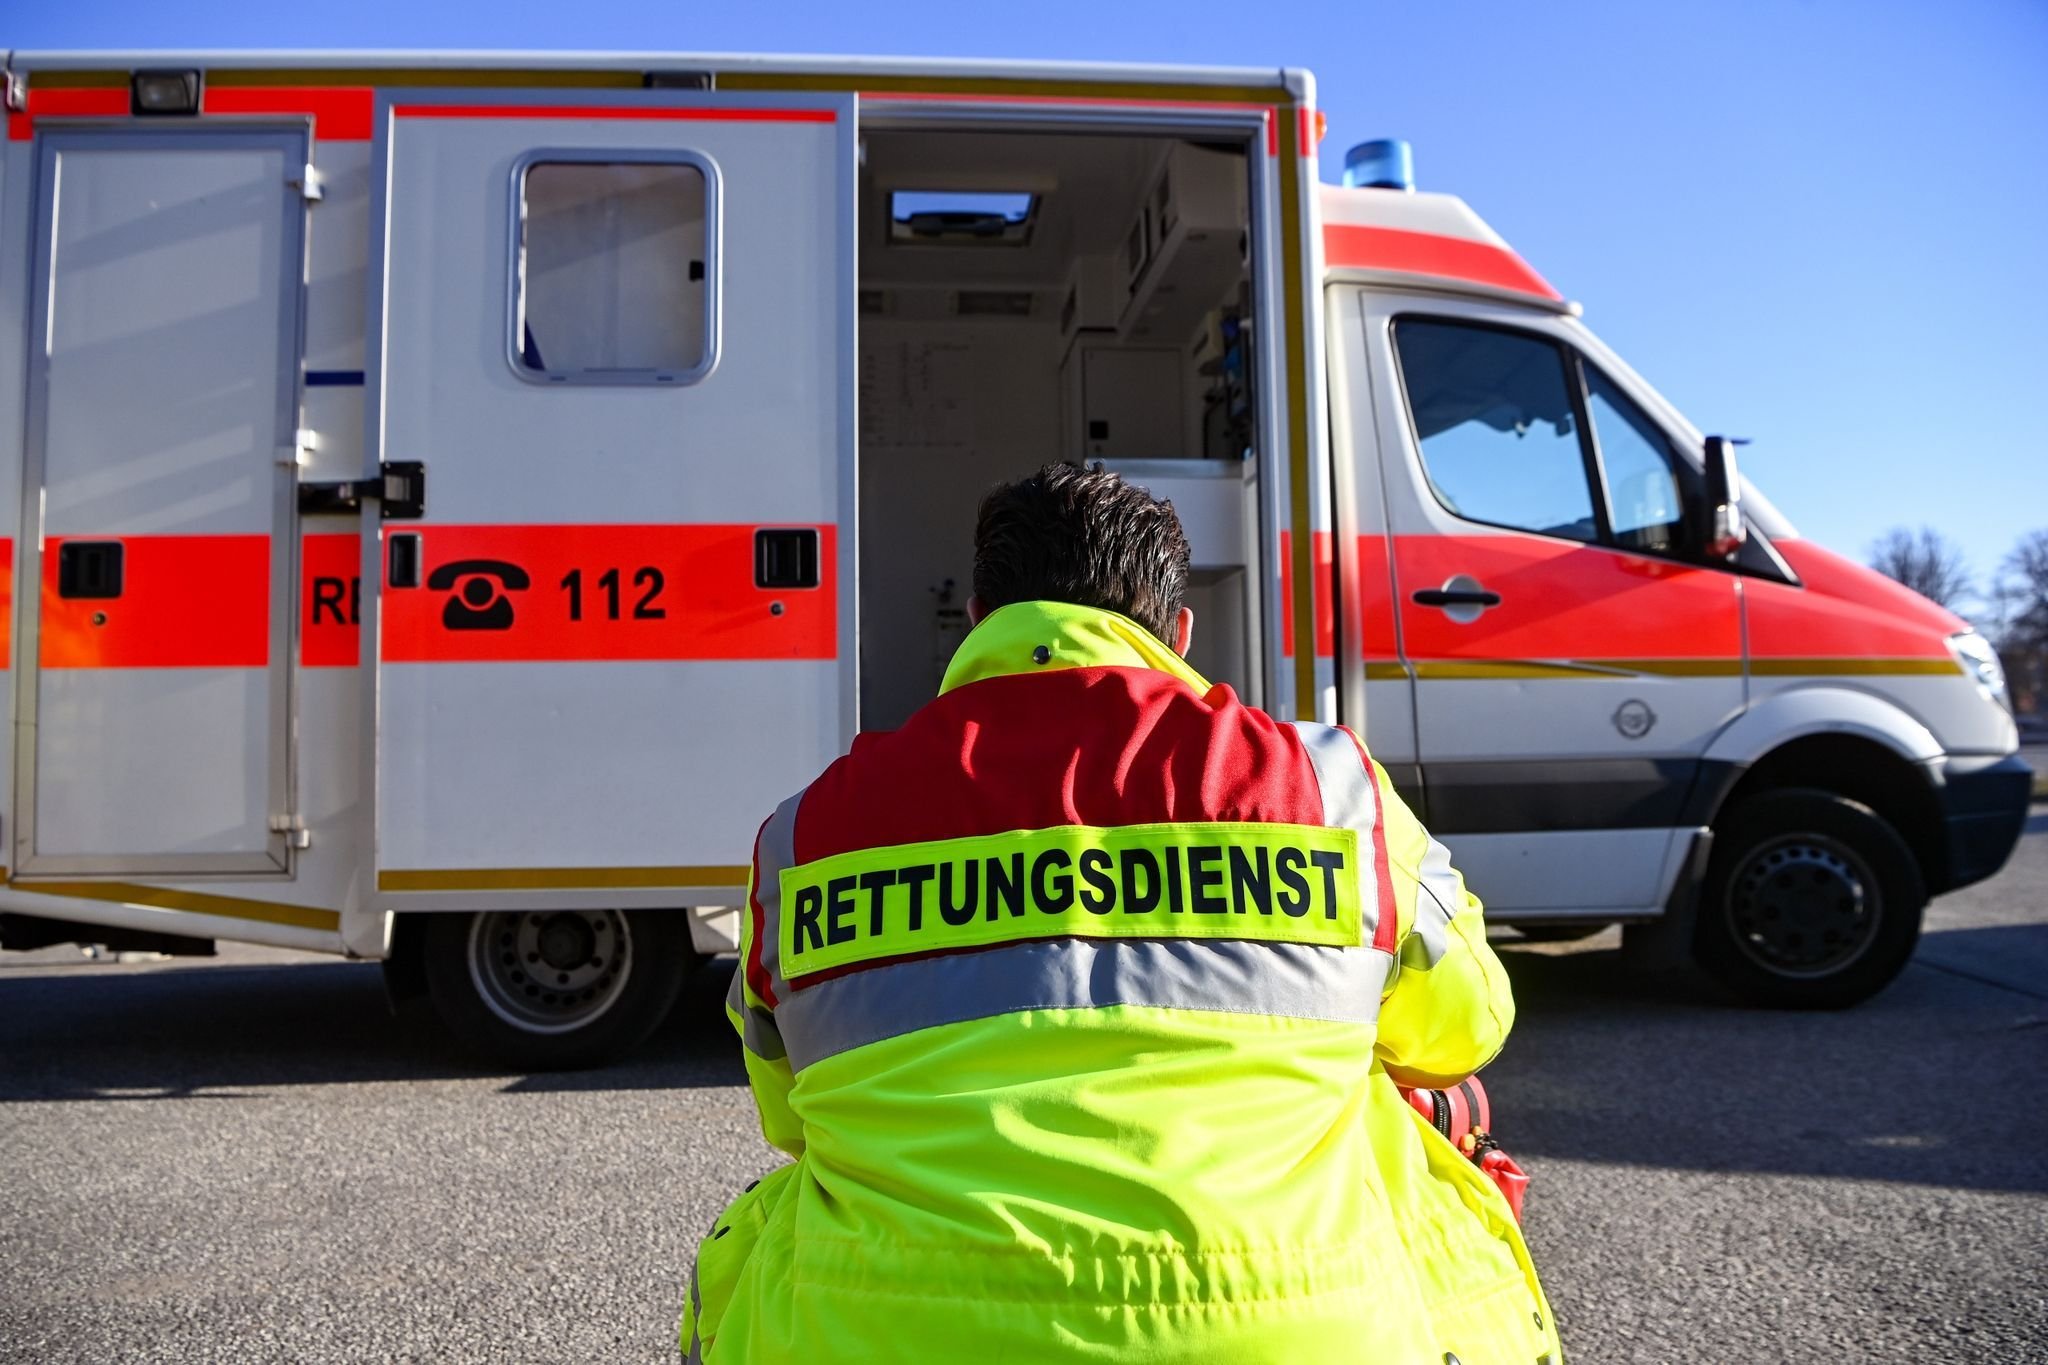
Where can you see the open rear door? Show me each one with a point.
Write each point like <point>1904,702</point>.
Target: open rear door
<point>617,331</point>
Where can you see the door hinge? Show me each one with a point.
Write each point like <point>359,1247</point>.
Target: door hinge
<point>304,442</point>
<point>309,185</point>
<point>400,489</point>
<point>294,830</point>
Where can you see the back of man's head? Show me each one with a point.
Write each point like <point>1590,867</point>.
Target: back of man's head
<point>1085,537</point>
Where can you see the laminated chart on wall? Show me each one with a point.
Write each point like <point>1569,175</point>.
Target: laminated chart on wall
<point>914,393</point>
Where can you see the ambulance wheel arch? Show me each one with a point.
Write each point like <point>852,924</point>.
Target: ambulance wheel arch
<point>549,989</point>
<point>1826,848</point>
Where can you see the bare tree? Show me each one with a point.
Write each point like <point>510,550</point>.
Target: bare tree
<point>1926,561</point>
<point>2019,597</point>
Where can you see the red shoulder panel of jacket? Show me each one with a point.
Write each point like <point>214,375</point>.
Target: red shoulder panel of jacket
<point>1078,746</point>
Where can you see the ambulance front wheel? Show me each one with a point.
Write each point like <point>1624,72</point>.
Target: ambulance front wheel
<point>549,990</point>
<point>1811,901</point>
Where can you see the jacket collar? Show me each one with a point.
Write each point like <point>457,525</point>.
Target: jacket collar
<point>1008,640</point>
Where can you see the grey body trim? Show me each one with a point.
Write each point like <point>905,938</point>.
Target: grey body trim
<point>774,850</point>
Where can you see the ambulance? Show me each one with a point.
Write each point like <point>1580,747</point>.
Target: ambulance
<point>455,498</point>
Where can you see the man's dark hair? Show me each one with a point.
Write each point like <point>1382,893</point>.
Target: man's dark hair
<point>1086,537</point>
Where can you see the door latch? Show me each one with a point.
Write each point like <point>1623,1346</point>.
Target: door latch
<point>400,489</point>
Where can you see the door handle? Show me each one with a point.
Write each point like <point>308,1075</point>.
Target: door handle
<point>89,568</point>
<point>1456,597</point>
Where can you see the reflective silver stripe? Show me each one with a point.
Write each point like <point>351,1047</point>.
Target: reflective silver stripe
<point>774,851</point>
<point>1438,900</point>
<point>757,1024</point>
<point>1350,799</point>
<point>694,1353</point>
<point>1290,980</point>
<point>777,850</point>
<point>1346,782</point>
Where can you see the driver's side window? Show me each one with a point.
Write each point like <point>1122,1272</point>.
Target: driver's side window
<point>1497,427</point>
<point>1517,429</point>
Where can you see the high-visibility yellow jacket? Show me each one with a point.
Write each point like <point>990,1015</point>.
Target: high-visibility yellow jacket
<point>1074,1001</point>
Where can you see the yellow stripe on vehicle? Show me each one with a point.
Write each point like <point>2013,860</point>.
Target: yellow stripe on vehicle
<point>1853,668</point>
<point>192,902</point>
<point>1294,331</point>
<point>1594,670</point>
<point>556,878</point>
<point>1270,882</point>
<point>1024,86</point>
<point>1451,670</point>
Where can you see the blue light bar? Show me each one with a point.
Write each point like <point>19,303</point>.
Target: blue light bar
<point>1387,163</point>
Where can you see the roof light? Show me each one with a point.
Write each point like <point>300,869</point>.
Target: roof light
<point>163,92</point>
<point>1385,164</point>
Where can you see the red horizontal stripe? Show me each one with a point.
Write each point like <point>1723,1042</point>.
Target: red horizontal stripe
<point>101,102</point>
<point>1074,101</point>
<point>339,113</point>
<point>680,592</point>
<point>1843,610</point>
<point>1564,600</point>
<point>613,111</point>
<point>1427,253</point>
<point>186,602</point>
<point>1324,589</point>
<point>6,601</point>
<point>330,600</point>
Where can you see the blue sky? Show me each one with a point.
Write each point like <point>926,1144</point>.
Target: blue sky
<point>1815,223</point>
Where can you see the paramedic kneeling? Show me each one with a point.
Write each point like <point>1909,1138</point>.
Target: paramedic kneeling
<point>1076,1001</point>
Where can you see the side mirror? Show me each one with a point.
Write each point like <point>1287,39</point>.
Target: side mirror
<point>1724,531</point>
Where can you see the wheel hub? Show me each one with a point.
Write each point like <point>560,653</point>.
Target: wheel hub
<point>1804,906</point>
<point>549,971</point>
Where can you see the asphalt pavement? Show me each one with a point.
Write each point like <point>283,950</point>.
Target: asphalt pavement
<point>246,1159</point>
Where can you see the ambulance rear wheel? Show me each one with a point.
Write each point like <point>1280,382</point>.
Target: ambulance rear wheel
<point>1811,901</point>
<point>549,990</point>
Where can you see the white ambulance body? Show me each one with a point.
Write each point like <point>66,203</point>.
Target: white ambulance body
<point>458,497</point>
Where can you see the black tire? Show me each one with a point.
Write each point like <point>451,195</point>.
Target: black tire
<point>1558,933</point>
<point>1811,901</point>
<point>552,990</point>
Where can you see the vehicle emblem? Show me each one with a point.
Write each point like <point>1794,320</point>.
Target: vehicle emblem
<point>1634,719</point>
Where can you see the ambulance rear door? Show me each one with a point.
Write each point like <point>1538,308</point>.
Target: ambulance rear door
<point>615,329</point>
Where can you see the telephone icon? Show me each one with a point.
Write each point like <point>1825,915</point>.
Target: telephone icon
<point>480,603</point>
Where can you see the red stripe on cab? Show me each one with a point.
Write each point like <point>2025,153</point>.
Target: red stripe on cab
<point>1429,253</point>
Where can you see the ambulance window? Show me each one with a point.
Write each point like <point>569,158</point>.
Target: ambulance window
<point>1494,422</point>
<point>613,271</point>
<point>1644,501</point>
